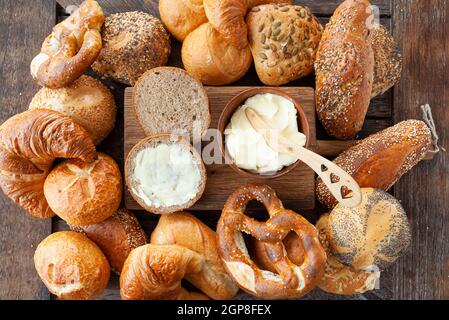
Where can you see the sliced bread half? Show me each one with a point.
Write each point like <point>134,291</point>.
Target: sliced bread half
<point>165,174</point>
<point>168,100</point>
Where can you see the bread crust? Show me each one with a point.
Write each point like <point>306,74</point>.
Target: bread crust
<point>71,266</point>
<point>133,42</point>
<point>29,143</point>
<point>383,158</point>
<point>84,193</point>
<point>152,141</point>
<point>87,101</point>
<point>182,16</point>
<point>116,236</point>
<point>344,70</point>
<point>213,280</point>
<point>283,40</point>
<point>209,58</point>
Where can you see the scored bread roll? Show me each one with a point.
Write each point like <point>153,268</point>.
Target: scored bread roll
<point>168,100</point>
<point>209,58</point>
<point>182,16</point>
<point>383,158</point>
<point>29,144</point>
<point>116,236</point>
<point>213,279</point>
<point>71,266</point>
<point>283,40</point>
<point>344,70</point>
<point>133,42</point>
<point>84,193</point>
<point>387,58</point>
<point>87,101</point>
<point>372,235</point>
<point>164,174</point>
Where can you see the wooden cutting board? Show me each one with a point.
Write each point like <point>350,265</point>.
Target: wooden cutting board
<point>296,189</point>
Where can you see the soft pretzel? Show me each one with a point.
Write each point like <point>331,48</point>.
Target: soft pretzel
<point>290,280</point>
<point>71,48</point>
<point>29,143</point>
<point>213,279</point>
<point>154,272</point>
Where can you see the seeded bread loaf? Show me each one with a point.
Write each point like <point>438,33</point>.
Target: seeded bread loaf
<point>283,40</point>
<point>344,70</point>
<point>209,58</point>
<point>388,61</point>
<point>381,159</point>
<point>168,100</point>
<point>133,42</point>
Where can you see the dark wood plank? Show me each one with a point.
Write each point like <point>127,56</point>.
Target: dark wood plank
<point>23,28</point>
<point>318,7</point>
<point>295,189</point>
<point>422,28</point>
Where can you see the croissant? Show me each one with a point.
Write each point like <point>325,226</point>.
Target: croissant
<point>29,143</point>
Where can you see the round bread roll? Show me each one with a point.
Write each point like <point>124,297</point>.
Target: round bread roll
<point>372,235</point>
<point>84,193</point>
<point>182,16</point>
<point>209,58</point>
<point>87,101</point>
<point>168,172</point>
<point>133,42</point>
<point>71,266</point>
<point>116,236</point>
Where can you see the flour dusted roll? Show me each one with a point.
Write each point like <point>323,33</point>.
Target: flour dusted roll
<point>383,158</point>
<point>208,57</point>
<point>344,70</point>
<point>71,266</point>
<point>87,101</point>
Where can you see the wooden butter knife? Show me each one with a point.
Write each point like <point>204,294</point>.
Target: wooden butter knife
<point>342,186</point>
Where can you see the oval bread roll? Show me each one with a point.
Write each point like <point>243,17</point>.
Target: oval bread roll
<point>210,59</point>
<point>71,266</point>
<point>383,158</point>
<point>87,101</point>
<point>84,193</point>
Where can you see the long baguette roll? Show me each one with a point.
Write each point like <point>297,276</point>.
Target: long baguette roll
<point>381,159</point>
<point>344,70</point>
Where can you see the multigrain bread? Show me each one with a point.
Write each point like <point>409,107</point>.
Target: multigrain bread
<point>133,184</point>
<point>209,58</point>
<point>213,280</point>
<point>133,42</point>
<point>372,235</point>
<point>283,40</point>
<point>168,100</point>
<point>116,236</point>
<point>383,158</point>
<point>84,193</point>
<point>387,58</point>
<point>29,144</point>
<point>71,266</point>
<point>344,70</point>
<point>87,101</point>
<point>182,16</point>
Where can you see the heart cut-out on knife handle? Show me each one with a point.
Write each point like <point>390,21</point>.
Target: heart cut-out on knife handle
<point>340,183</point>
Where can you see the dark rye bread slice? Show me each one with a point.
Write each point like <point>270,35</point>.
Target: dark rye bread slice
<point>152,142</point>
<point>168,100</point>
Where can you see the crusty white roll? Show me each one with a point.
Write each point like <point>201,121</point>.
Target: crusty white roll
<point>87,101</point>
<point>213,279</point>
<point>182,16</point>
<point>71,266</point>
<point>116,236</point>
<point>84,193</point>
<point>209,58</point>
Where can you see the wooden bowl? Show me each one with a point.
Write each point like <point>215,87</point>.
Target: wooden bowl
<point>237,101</point>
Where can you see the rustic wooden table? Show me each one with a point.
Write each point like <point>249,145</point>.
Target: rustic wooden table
<point>422,29</point>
